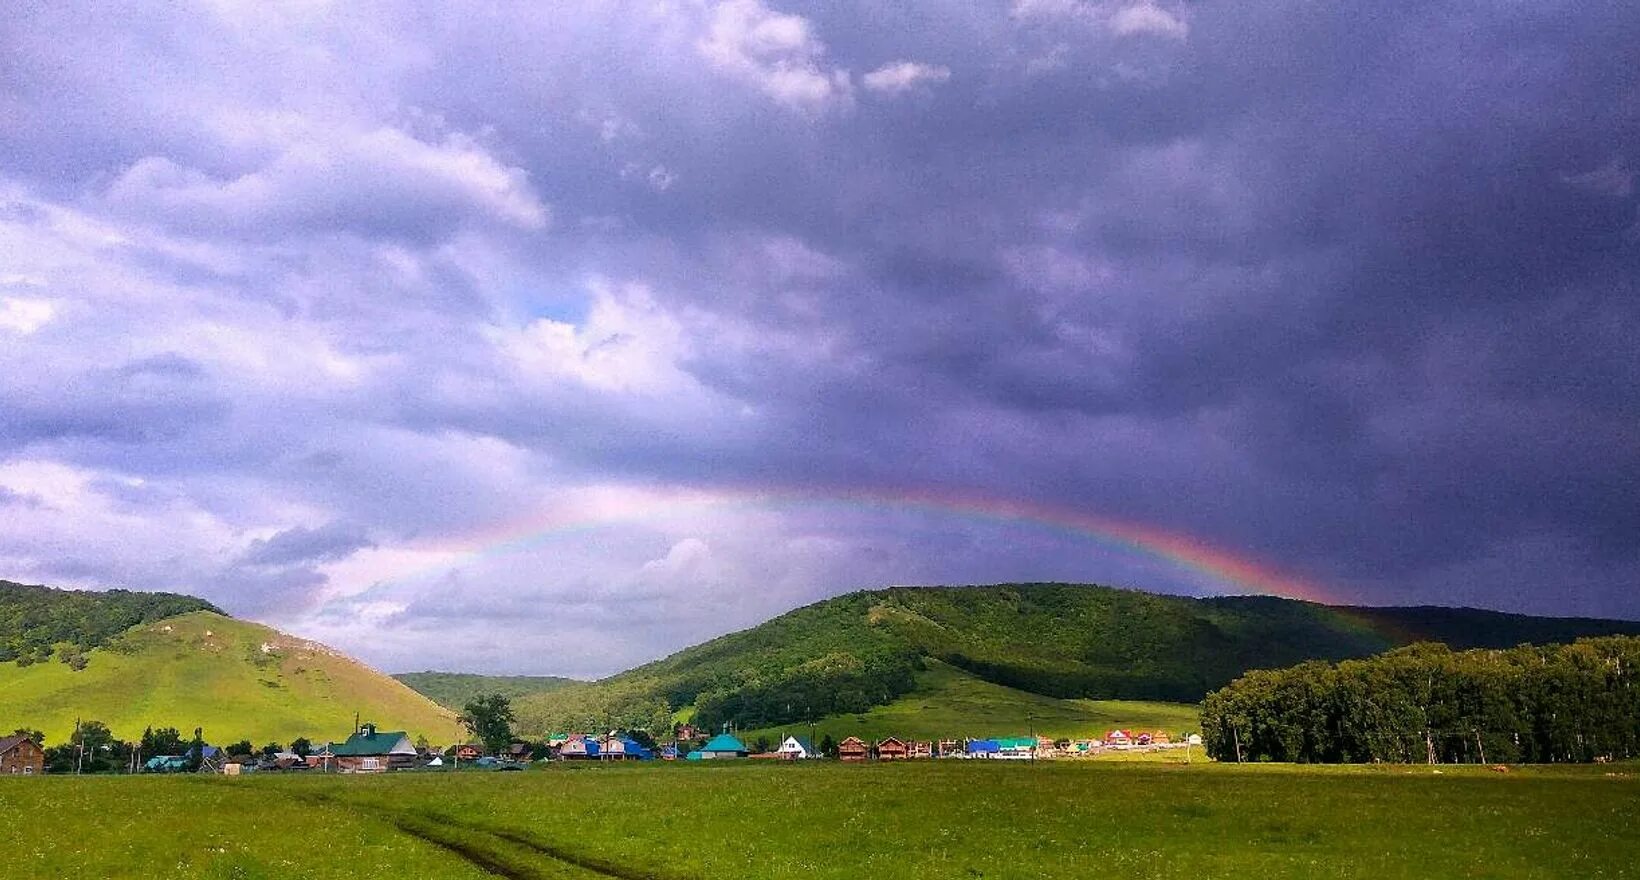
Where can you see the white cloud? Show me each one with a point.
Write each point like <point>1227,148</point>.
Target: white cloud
<point>903,76</point>
<point>627,343</point>
<point>776,52</point>
<point>321,178</point>
<point>24,316</point>
<point>1147,18</point>
<point>1123,19</point>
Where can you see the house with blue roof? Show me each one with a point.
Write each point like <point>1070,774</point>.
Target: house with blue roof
<point>797,748</point>
<point>983,748</point>
<point>723,745</point>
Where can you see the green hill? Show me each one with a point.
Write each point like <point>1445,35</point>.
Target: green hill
<point>852,654</point>
<point>453,689</point>
<point>37,622</point>
<point>948,702</point>
<point>231,677</point>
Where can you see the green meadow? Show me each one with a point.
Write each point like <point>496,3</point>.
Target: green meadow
<point>914,820</point>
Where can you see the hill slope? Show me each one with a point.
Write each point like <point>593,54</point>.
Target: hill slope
<point>36,621</point>
<point>452,690</point>
<point>231,677</point>
<point>862,650</point>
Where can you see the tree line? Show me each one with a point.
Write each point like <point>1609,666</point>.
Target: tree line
<point>36,622</point>
<point>1427,703</point>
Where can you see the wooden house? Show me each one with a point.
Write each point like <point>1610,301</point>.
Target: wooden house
<point>891,749</point>
<point>919,749</point>
<point>371,751</point>
<point>948,748</point>
<point>853,749</point>
<point>21,755</point>
<point>469,752</point>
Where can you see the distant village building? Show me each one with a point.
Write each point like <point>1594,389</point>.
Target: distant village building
<point>623,748</point>
<point>1018,748</point>
<point>469,752</point>
<point>20,755</point>
<point>891,749</point>
<point>371,751</point>
<point>982,748</point>
<point>915,749</point>
<point>1118,739</point>
<point>579,747</point>
<point>853,749</point>
<point>797,748</point>
<point>721,746</point>
<point>949,748</point>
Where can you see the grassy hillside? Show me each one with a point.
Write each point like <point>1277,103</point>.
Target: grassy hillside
<point>949,702</point>
<point>233,678</point>
<point>453,689</point>
<point>37,622</point>
<point>847,655</point>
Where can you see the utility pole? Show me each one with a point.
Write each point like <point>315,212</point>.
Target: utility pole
<point>79,754</point>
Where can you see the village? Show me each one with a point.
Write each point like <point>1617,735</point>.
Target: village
<point>369,750</point>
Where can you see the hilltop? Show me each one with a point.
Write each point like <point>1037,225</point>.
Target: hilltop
<point>852,654</point>
<point>201,668</point>
<point>453,689</point>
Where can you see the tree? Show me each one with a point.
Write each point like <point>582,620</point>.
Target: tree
<point>490,719</point>
<point>271,749</point>
<point>828,746</point>
<point>243,747</point>
<point>196,750</point>
<point>165,741</point>
<point>36,736</point>
<point>761,746</point>
<point>301,746</point>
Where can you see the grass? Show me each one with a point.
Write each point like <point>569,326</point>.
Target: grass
<point>950,703</point>
<point>894,822</point>
<point>231,677</point>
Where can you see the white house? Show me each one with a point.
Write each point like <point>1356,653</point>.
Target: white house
<point>796,748</point>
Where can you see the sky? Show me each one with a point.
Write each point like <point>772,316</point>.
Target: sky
<point>551,338</point>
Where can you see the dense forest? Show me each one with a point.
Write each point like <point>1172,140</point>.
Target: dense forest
<point>36,622</point>
<point>1427,703</point>
<point>859,650</point>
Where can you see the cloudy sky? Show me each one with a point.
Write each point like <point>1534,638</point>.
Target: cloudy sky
<point>507,339</point>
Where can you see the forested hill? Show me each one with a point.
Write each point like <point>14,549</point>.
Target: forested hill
<point>454,689</point>
<point>36,621</point>
<point>863,649</point>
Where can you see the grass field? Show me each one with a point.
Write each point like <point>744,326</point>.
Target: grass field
<point>951,703</point>
<point>231,677</point>
<point>911,821</point>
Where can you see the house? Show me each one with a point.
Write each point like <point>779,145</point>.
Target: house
<point>1016,748</point>
<point>166,764</point>
<point>1118,739</point>
<point>623,748</point>
<point>1143,739</point>
<point>519,751</point>
<point>891,749</point>
<point>579,747</point>
<point>371,751</point>
<point>21,755</point>
<point>1161,738</point>
<point>919,749</point>
<point>983,748</point>
<point>949,748</point>
<point>685,732</point>
<point>722,746</point>
<point>669,752</point>
<point>853,749</point>
<point>469,752</point>
<point>797,748</point>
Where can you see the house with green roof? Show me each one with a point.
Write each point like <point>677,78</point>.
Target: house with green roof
<point>371,751</point>
<point>721,746</point>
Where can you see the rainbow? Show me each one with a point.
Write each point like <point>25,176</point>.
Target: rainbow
<point>1238,573</point>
